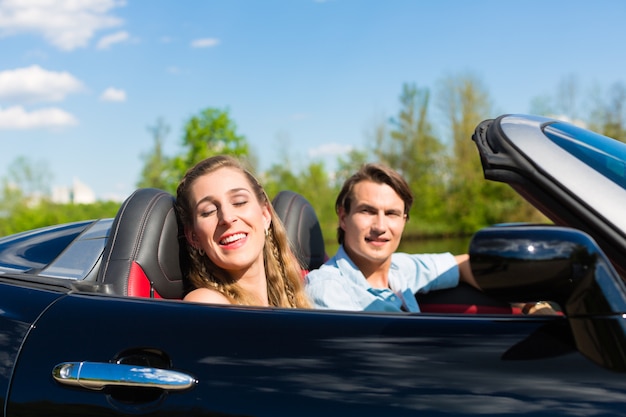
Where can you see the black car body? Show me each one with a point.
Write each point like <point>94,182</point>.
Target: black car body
<point>91,322</point>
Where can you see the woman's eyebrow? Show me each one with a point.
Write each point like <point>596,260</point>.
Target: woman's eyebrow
<point>237,190</point>
<point>210,198</point>
<point>205,199</point>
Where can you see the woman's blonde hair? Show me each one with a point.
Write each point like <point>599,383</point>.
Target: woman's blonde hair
<point>282,270</point>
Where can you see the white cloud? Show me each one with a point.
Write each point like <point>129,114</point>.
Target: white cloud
<point>113,94</point>
<point>16,117</point>
<point>117,37</point>
<point>329,149</point>
<point>34,84</point>
<point>205,43</point>
<point>66,24</point>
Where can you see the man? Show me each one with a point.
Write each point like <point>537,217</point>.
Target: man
<point>367,273</point>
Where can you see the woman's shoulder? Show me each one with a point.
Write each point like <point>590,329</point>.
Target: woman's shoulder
<point>207,295</point>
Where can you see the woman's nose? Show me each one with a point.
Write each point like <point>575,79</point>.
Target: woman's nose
<point>226,216</point>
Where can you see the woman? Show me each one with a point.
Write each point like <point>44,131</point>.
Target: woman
<point>237,244</point>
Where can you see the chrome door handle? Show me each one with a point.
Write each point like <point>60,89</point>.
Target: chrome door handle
<point>97,375</point>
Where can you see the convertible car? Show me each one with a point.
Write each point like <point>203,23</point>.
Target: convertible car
<point>92,322</point>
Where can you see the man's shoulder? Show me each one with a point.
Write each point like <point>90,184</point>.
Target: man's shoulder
<point>337,270</point>
<point>329,270</point>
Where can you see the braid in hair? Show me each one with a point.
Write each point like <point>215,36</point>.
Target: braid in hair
<point>284,273</point>
<point>209,275</point>
<point>282,266</point>
<point>274,271</point>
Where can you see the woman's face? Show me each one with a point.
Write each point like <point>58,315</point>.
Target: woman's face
<point>229,222</point>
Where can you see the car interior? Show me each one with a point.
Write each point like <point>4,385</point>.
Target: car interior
<point>145,255</point>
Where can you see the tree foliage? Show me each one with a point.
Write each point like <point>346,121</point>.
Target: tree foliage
<point>348,165</point>
<point>211,132</point>
<point>312,181</point>
<point>30,177</point>
<point>472,202</point>
<point>25,216</point>
<point>609,115</point>
<point>156,169</point>
<point>442,166</point>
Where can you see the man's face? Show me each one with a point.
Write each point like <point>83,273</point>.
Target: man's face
<point>374,225</point>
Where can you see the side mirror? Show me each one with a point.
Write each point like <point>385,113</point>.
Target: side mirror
<point>530,262</point>
<point>523,262</point>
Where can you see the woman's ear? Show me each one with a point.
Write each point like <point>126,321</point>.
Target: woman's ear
<point>267,217</point>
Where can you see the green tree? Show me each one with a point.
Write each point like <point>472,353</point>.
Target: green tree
<point>11,202</point>
<point>410,147</point>
<point>312,181</point>
<point>31,178</point>
<point>210,133</point>
<point>25,185</point>
<point>348,165</point>
<point>606,116</point>
<point>567,98</point>
<point>474,202</point>
<point>464,103</point>
<point>45,213</point>
<point>609,115</point>
<point>25,202</point>
<point>316,186</point>
<point>281,175</point>
<point>156,169</point>
<point>564,103</point>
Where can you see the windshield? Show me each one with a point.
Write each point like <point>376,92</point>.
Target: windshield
<point>605,155</point>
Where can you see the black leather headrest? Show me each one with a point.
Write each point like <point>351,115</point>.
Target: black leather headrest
<point>303,228</point>
<point>144,234</point>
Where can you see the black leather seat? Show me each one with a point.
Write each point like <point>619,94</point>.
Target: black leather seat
<point>144,253</point>
<point>303,228</point>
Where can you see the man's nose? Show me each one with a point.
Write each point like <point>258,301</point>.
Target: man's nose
<point>379,222</point>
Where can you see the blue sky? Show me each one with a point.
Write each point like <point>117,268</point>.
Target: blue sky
<point>82,81</point>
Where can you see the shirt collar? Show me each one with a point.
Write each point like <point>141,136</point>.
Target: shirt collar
<point>352,272</point>
<point>349,269</point>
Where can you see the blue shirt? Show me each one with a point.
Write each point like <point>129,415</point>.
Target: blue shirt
<point>340,285</point>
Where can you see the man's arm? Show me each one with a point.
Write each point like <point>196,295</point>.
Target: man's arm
<point>465,271</point>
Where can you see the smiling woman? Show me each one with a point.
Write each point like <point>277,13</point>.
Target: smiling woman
<point>237,244</point>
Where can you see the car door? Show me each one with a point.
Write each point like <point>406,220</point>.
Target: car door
<point>19,309</point>
<point>246,361</point>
